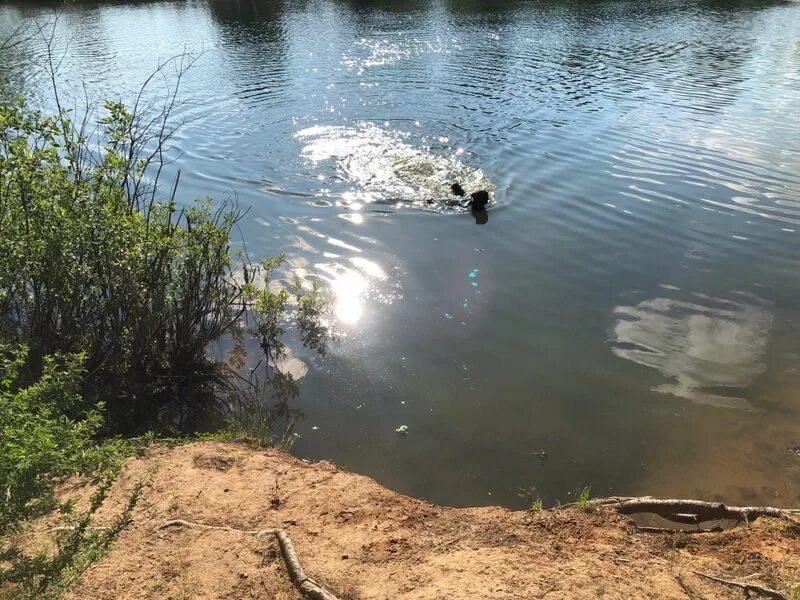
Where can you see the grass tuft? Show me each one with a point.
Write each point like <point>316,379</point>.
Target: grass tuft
<point>530,494</point>
<point>583,499</point>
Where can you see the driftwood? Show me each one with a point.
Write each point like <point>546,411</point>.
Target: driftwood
<point>693,512</point>
<point>304,584</point>
<point>746,586</point>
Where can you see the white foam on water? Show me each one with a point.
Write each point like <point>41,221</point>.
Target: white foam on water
<point>382,166</point>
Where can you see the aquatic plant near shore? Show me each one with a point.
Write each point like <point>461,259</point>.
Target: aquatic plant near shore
<point>533,500</point>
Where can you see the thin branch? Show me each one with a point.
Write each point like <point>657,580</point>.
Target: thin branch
<point>747,587</point>
<point>305,584</point>
<point>647,529</point>
<point>16,37</point>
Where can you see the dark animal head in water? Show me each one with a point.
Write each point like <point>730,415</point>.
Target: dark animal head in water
<point>479,200</point>
<point>457,190</point>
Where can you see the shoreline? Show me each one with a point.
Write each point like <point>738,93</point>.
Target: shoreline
<point>362,541</point>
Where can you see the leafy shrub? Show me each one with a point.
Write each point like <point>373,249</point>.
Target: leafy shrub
<point>110,296</point>
<point>77,546</point>
<point>38,446</point>
<point>90,266</point>
<point>95,262</point>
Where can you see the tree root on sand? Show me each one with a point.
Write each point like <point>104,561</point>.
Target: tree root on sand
<point>693,512</point>
<point>747,587</point>
<point>305,584</point>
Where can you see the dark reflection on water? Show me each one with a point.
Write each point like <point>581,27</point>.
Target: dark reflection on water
<point>630,304</point>
<point>481,217</point>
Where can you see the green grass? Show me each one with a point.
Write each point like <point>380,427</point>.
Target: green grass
<point>583,498</point>
<point>530,494</point>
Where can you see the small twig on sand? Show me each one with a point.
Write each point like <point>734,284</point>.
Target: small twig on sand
<point>305,584</point>
<point>686,589</point>
<point>747,587</point>
<point>647,529</point>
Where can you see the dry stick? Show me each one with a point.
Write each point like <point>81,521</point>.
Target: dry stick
<point>647,529</point>
<point>747,587</point>
<point>305,584</point>
<point>686,589</point>
<point>694,511</point>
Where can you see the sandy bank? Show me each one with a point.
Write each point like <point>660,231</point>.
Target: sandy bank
<point>364,541</point>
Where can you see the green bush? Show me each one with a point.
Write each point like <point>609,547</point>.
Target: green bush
<point>96,262</point>
<point>38,444</point>
<point>110,296</point>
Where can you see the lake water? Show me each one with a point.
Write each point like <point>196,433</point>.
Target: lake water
<point>629,315</point>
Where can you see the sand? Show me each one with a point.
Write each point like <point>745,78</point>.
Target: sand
<point>363,541</point>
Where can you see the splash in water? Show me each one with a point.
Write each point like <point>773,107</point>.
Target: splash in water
<point>381,166</point>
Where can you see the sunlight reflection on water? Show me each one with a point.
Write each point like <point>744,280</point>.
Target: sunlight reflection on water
<point>380,165</point>
<point>624,144</point>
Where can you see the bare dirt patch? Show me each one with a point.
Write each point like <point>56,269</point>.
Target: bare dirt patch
<point>214,461</point>
<point>363,541</point>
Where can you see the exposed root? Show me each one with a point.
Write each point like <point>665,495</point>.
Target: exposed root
<point>693,512</point>
<point>690,593</point>
<point>678,511</point>
<point>747,587</point>
<point>305,584</point>
<point>647,529</point>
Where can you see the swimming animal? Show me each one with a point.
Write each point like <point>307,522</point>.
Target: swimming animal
<point>478,200</point>
<point>458,190</point>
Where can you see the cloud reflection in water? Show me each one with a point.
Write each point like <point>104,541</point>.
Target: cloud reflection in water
<point>708,349</point>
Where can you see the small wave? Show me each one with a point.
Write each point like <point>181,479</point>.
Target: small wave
<point>370,52</point>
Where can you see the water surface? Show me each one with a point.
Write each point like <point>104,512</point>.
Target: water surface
<point>628,316</point>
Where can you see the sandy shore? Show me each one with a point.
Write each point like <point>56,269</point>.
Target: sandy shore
<point>363,541</point>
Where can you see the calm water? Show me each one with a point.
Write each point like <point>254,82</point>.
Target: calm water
<point>632,305</point>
